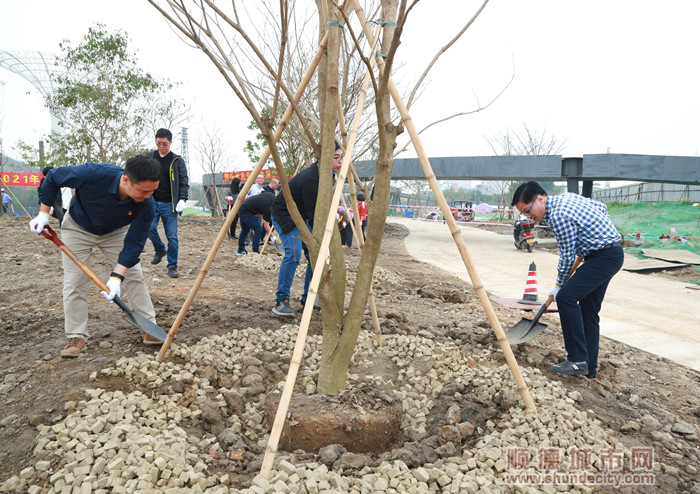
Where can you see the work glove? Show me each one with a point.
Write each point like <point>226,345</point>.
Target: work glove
<point>180,207</point>
<point>554,290</point>
<point>38,224</point>
<point>229,199</point>
<point>115,288</point>
<point>273,239</point>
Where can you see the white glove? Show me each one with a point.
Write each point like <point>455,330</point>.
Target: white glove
<point>115,288</point>
<point>180,207</point>
<point>273,239</point>
<point>553,292</point>
<point>228,198</point>
<point>38,224</point>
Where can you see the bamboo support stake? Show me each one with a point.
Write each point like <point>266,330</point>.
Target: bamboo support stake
<point>295,362</point>
<point>370,298</point>
<point>318,269</point>
<point>454,230</point>
<point>239,200</point>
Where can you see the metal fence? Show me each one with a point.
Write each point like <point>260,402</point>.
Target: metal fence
<point>649,192</point>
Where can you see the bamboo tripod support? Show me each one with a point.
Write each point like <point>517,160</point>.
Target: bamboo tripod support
<point>370,297</point>
<point>454,230</point>
<point>295,362</point>
<point>239,200</point>
<point>318,269</point>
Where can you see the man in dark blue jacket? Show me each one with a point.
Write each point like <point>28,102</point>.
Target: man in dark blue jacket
<point>169,197</point>
<point>112,209</point>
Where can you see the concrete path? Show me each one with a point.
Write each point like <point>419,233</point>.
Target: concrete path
<point>651,313</point>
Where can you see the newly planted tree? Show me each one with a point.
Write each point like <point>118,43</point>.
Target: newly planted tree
<point>244,54</point>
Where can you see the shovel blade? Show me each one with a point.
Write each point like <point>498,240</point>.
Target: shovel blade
<point>148,327</point>
<point>140,322</point>
<point>523,331</point>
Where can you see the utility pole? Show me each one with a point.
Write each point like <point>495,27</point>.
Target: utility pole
<point>185,147</point>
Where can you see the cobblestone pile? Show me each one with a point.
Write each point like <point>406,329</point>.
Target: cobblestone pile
<point>113,441</point>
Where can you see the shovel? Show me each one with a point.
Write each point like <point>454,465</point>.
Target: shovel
<point>131,316</point>
<point>525,329</point>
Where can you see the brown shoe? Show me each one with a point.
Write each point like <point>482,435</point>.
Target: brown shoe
<point>73,348</point>
<point>150,340</point>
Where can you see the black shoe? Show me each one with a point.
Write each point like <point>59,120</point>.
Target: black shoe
<point>158,257</point>
<point>570,368</point>
<point>283,309</point>
<point>172,272</point>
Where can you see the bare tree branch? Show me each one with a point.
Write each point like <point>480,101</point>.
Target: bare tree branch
<point>441,51</point>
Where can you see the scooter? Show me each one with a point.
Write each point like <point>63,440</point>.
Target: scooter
<point>544,230</point>
<point>523,237</point>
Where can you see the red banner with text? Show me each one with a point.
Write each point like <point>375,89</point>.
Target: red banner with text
<point>21,179</point>
<point>244,174</point>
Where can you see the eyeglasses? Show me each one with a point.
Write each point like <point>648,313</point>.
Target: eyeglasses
<point>339,157</point>
<point>528,209</point>
<point>162,144</point>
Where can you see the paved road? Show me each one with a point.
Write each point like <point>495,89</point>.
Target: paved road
<point>654,314</point>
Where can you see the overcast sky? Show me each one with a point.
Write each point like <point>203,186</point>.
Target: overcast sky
<point>603,75</point>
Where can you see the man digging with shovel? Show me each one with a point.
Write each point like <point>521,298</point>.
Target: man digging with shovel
<point>112,209</point>
<point>582,228</point>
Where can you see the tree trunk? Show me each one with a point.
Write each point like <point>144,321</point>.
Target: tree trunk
<point>340,333</point>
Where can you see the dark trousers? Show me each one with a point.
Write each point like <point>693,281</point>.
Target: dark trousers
<point>232,230</point>
<point>579,302</point>
<point>250,222</point>
<point>346,236</point>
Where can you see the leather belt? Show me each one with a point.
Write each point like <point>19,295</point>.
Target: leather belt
<point>614,244</point>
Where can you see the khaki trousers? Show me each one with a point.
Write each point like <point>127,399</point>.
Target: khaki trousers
<point>75,283</point>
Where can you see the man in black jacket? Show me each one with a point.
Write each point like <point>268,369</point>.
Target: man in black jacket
<point>304,189</point>
<point>170,200</point>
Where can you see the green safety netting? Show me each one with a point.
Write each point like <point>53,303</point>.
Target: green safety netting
<point>654,222</point>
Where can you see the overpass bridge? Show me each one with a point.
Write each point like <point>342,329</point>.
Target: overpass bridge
<point>574,171</point>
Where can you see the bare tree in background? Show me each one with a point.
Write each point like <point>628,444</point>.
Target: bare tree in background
<point>261,61</point>
<point>214,156</point>
<point>524,142</point>
<point>167,111</point>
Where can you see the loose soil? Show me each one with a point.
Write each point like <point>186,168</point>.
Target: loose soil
<point>35,382</point>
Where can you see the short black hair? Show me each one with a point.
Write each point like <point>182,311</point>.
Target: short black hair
<point>142,168</point>
<point>164,133</point>
<point>360,196</point>
<point>527,192</point>
<point>46,170</point>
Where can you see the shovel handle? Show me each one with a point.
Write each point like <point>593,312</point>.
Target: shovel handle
<point>544,307</point>
<point>51,235</point>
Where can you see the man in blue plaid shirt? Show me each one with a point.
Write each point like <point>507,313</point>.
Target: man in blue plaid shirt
<point>582,228</point>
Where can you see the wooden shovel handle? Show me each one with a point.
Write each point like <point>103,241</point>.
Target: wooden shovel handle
<point>51,235</point>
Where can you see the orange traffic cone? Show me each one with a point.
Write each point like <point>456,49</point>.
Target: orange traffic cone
<point>530,296</point>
